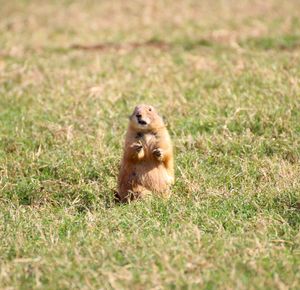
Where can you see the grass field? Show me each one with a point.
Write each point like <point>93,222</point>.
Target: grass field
<point>225,74</point>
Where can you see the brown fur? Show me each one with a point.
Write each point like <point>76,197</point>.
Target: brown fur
<point>147,164</point>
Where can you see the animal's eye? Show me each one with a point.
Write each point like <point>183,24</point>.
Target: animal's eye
<point>150,109</point>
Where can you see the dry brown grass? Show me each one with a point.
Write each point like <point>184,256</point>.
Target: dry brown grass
<point>225,74</point>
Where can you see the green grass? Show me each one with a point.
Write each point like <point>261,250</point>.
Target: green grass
<point>225,75</point>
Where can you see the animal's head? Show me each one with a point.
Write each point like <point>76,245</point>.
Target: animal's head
<point>145,117</point>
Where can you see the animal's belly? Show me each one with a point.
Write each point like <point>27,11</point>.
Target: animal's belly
<point>153,176</point>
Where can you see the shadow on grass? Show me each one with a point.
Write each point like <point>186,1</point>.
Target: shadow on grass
<point>119,46</point>
<point>186,44</point>
<point>283,42</point>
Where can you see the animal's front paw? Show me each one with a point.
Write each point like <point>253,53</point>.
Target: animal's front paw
<point>137,150</point>
<point>137,147</point>
<point>158,153</point>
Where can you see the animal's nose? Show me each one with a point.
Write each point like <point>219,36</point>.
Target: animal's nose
<point>138,115</point>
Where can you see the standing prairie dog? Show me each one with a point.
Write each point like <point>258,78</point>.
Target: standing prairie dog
<point>147,164</point>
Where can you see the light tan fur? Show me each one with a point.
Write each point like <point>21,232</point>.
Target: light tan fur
<point>147,164</point>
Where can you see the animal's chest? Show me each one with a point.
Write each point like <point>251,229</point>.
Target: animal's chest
<point>149,141</point>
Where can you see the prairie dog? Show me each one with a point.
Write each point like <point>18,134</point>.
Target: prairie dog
<point>147,164</point>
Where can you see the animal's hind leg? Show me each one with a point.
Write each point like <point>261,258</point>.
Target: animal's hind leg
<point>170,169</point>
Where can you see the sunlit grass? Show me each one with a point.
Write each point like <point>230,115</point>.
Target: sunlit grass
<point>225,76</point>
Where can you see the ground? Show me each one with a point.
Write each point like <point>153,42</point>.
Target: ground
<point>224,74</point>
